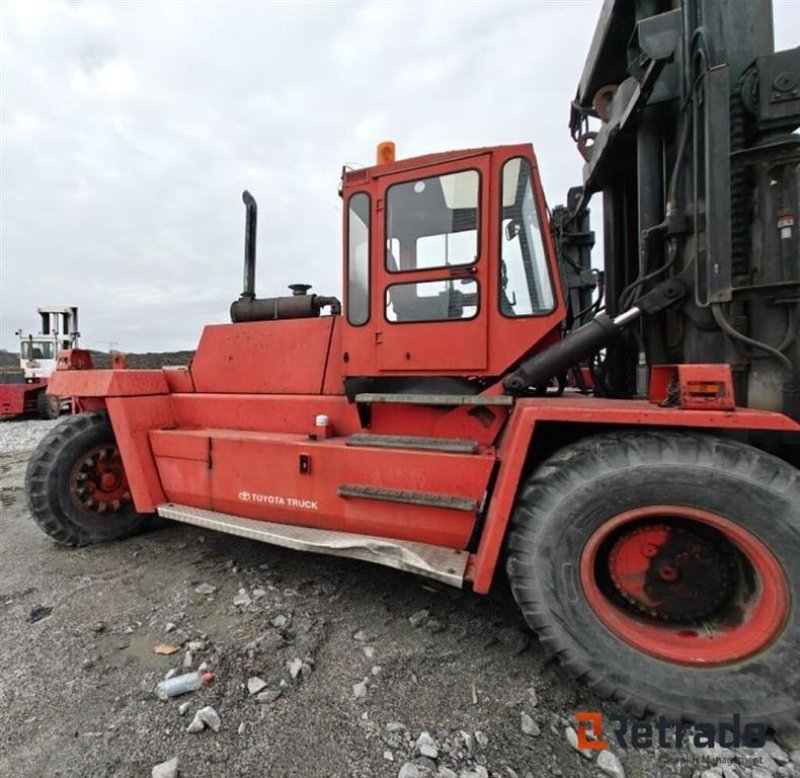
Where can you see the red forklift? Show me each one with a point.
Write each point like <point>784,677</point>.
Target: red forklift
<point>624,438</point>
<point>22,390</point>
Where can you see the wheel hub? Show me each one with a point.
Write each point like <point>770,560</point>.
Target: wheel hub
<point>684,584</point>
<point>670,573</point>
<point>98,483</point>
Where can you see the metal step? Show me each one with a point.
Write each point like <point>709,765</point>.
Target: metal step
<point>449,445</point>
<point>442,564</point>
<point>436,399</point>
<point>430,499</point>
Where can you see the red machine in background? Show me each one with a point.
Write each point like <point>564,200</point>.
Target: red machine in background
<point>650,524</point>
<point>23,390</point>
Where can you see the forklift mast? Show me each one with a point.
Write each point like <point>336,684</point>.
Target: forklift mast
<point>685,116</point>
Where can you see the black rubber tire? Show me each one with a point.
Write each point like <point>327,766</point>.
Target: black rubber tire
<point>579,488</point>
<point>48,406</point>
<point>47,485</point>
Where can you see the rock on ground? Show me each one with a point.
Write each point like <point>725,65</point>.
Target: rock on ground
<point>255,685</point>
<point>419,618</point>
<point>205,717</point>
<point>426,746</point>
<point>572,738</point>
<point>195,725</point>
<point>610,764</point>
<point>168,769</point>
<point>409,770</point>
<point>528,725</point>
<point>210,718</point>
<point>360,690</point>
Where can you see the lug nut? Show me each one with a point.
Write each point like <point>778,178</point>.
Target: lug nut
<point>668,573</point>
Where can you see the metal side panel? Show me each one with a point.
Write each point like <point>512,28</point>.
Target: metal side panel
<point>442,564</point>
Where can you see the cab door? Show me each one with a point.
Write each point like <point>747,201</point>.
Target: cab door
<point>430,256</point>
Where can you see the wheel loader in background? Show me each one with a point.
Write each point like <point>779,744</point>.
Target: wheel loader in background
<point>624,438</point>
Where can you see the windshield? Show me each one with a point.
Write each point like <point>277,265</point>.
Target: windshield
<point>38,349</point>
<point>525,287</point>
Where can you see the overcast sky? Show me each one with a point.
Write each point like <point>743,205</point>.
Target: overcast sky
<point>130,129</point>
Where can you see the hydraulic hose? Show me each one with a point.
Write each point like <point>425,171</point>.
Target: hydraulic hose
<point>731,331</point>
<point>589,339</point>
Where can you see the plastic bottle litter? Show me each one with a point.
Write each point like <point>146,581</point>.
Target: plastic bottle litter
<point>181,684</point>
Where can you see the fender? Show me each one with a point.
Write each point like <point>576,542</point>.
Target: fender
<point>136,400</point>
<point>132,419</point>
<point>518,442</point>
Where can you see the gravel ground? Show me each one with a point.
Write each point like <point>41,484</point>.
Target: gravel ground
<point>23,435</point>
<point>356,670</point>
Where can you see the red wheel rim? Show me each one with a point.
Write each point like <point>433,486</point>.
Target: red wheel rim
<point>97,483</point>
<point>684,585</point>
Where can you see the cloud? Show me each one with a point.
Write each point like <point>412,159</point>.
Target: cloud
<point>130,129</point>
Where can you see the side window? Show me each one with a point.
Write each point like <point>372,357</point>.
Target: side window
<point>358,223</point>
<point>432,300</point>
<point>433,222</point>
<point>525,286</point>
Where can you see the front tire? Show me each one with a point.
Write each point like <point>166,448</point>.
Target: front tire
<point>76,484</point>
<point>48,406</point>
<point>663,570</point>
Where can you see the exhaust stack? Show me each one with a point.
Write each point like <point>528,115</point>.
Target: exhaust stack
<point>251,218</point>
<point>249,308</point>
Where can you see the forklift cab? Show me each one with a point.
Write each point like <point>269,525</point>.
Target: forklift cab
<point>449,265</point>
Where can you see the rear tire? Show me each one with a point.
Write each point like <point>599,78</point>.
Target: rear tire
<point>603,530</point>
<point>48,406</point>
<point>76,486</point>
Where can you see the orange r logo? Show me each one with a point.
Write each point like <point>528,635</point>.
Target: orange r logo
<point>595,730</point>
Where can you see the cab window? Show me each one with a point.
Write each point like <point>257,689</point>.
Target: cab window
<point>38,349</point>
<point>358,223</point>
<point>433,222</point>
<point>444,300</point>
<point>525,285</point>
